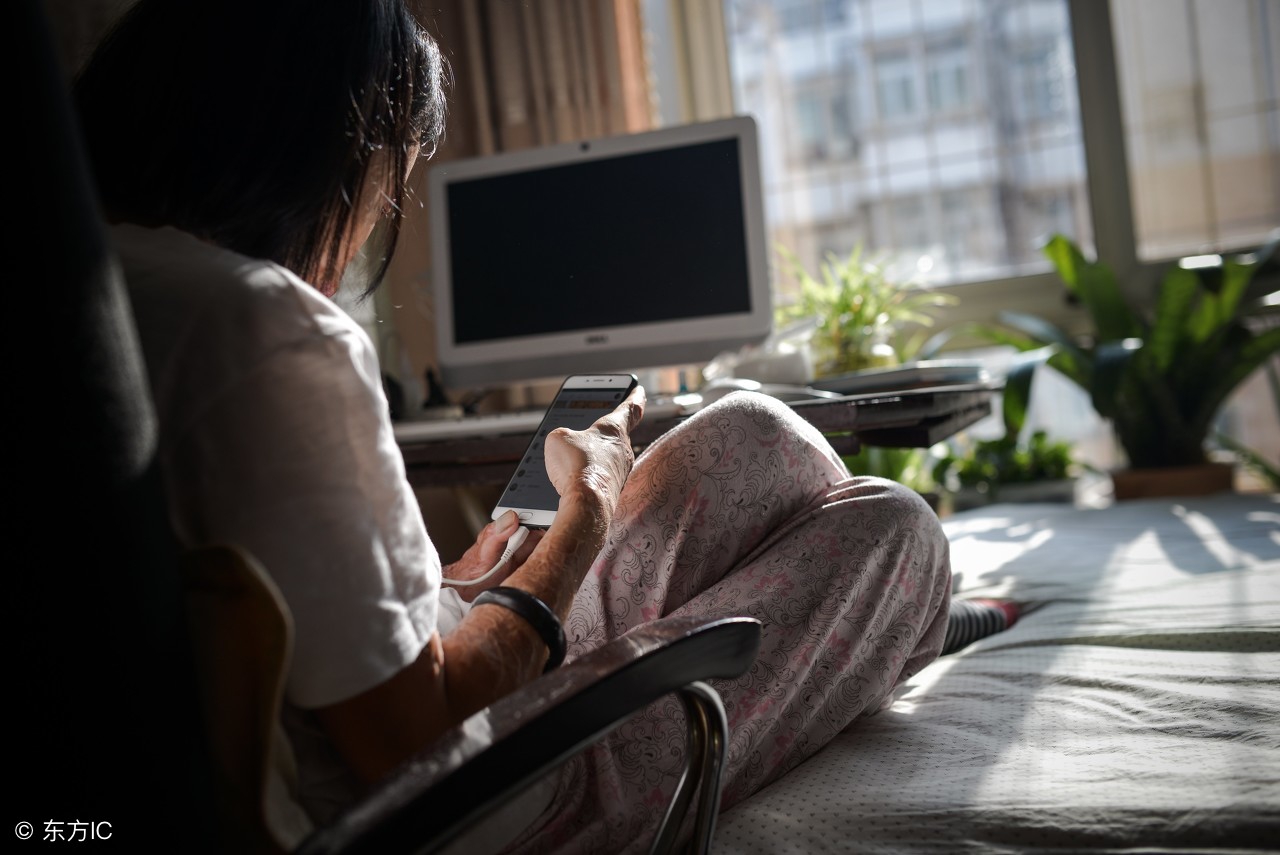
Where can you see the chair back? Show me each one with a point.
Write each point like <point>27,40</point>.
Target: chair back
<point>108,734</point>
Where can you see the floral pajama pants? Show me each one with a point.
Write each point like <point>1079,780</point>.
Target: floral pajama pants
<point>744,509</point>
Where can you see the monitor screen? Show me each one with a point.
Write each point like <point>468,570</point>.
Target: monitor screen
<point>625,253</point>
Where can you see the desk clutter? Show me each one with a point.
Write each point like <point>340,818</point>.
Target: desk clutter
<point>914,375</point>
<point>476,450</point>
<point>454,423</point>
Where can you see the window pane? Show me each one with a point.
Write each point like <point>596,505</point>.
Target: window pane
<point>948,76</point>
<point>943,134</point>
<point>1199,83</point>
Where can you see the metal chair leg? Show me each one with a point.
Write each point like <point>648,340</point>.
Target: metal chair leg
<point>707,751</point>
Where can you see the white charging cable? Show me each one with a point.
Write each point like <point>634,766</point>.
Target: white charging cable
<point>517,538</point>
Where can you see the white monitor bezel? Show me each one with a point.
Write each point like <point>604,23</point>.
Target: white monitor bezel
<point>622,347</point>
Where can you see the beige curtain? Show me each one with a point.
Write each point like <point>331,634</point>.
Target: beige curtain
<point>548,71</point>
<point>697,30</point>
<point>526,74</point>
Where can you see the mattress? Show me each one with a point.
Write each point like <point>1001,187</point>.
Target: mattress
<point>1134,707</point>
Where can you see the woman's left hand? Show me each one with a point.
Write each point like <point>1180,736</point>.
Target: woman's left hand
<point>485,552</point>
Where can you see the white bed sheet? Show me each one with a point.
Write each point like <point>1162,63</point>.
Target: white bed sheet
<point>1136,707</point>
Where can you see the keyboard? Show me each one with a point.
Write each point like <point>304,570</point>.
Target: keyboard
<point>468,427</point>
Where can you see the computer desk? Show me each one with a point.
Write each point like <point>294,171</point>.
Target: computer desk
<point>911,418</point>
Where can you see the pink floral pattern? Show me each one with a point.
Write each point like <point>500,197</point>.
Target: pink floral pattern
<point>744,509</point>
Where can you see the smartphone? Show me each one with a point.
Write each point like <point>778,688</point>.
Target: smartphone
<point>582,399</point>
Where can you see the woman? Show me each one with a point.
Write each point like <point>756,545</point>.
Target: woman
<point>244,151</point>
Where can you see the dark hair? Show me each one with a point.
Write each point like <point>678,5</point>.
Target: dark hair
<point>255,123</point>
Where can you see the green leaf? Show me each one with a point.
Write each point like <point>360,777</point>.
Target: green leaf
<point>1177,292</point>
<point>1235,281</point>
<point>1101,296</point>
<point>1066,259</point>
<point>1071,359</point>
<point>1111,361</point>
<point>1222,297</point>
<point>1096,286</point>
<point>1017,389</point>
<point>987,332</point>
<point>1038,329</point>
<point>1203,320</point>
<point>1273,380</point>
<point>1078,368</point>
<point>1249,357</point>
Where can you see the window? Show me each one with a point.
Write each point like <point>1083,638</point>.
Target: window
<point>895,86</point>
<point>971,120</point>
<point>864,102</point>
<point>823,124</point>
<point>800,15</point>
<point>910,223</point>
<point>811,126</point>
<point>1203,134</point>
<point>973,125</point>
<point>1042,75</point>
<point>948,77</point>
<point>969,225</point>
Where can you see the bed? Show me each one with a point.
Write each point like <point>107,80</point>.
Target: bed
<point>1135,707</point>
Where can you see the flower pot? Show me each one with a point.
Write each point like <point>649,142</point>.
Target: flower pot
<point>1201,479</point>
<point>1063,490</point>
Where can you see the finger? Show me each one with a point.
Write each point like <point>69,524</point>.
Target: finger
<point>494,536</point>
<point>503,526</point>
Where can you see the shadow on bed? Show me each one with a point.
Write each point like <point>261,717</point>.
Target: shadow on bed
<point>1042,542</point>
<point>1134,706</point>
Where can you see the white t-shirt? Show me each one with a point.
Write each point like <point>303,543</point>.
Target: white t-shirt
<point>275,437</point>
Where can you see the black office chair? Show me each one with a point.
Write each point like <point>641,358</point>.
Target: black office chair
<point>98,645</point>
<point>123,713</point>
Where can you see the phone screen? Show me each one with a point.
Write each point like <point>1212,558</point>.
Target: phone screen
<point>576,408</point>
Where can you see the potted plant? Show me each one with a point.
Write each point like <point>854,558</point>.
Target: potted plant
<point>864,318</point>
<point>1160,377</point>
<point>1010,468</point>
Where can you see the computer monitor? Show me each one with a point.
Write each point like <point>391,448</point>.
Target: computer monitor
<point>625,253</point>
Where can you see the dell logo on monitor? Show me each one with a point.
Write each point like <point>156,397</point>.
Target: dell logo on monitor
<point>598,338</point>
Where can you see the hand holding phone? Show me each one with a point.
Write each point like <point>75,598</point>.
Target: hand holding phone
<point>599,411</point>
<point>500,548</point>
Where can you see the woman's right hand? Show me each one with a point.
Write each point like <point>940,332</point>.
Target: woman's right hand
<point>593,464</point>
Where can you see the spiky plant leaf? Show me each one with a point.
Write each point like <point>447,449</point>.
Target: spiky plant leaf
<point>1096,286</point>
<point>1173,307</point>
<point>1017,388</point>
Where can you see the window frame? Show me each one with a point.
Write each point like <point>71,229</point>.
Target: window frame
<point>1109,202</point>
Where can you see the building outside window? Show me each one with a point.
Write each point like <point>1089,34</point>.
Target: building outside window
<point>943,82</point>
<point>895,86</point>
<point>948,76</point>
